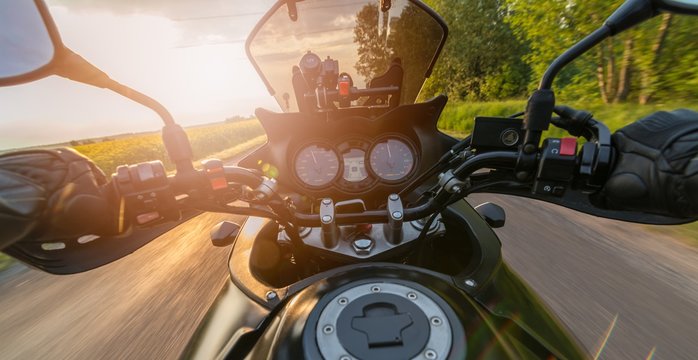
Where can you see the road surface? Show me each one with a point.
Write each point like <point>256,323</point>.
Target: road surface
<point>147,305</point>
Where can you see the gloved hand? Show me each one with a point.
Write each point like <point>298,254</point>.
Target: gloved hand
<point>52,194</point>
<point>656,168</point>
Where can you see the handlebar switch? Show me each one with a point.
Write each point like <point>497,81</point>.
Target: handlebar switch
<point>556,166</point>
<point>393,229</point>
<point>213,168</point>
<point>330,230</point>
<point>147,195</point>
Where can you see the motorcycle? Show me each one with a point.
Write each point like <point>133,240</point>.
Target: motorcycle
<point>357,243</point>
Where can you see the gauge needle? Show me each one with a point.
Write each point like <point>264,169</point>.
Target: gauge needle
<point>313,154</point>
<point>390,156</point>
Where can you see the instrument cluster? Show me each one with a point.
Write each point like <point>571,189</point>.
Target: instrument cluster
<point>355,163</point>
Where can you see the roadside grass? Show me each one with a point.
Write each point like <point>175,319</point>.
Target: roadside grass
<point>5,261</point>
<point>687,233</point>
<point>221,141</point>
<point>458,119</point>
<point>206,140</point>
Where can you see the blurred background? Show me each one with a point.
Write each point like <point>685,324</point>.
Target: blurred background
<point>626,291</point>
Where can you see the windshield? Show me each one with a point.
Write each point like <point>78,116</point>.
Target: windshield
<point>363,39</point>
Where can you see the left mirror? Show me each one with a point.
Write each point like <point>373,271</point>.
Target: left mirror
<point>28,43</point>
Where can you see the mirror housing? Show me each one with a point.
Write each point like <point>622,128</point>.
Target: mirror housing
<point>29,43</point>
<point>686,7</point>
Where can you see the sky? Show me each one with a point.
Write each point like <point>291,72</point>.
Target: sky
<point>187,54</point>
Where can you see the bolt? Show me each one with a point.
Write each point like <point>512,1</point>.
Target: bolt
<point>456,188</point>
<point>470,283</point>
<point>375,289</point>
<point>271,295</point>
<point>412,296</point>
<point>436,321</point>
<point>326,201</point>
<point>397,214</point>
<point>328,329</point>
<point>327,219</point>
<point>394,197</point>
<point>430,354</point>
<point>343,301</point>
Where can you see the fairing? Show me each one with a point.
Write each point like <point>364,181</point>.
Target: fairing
<point>363,38</point>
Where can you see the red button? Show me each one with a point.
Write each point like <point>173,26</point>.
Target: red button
<point>344,88</point>
<point>568,146</point>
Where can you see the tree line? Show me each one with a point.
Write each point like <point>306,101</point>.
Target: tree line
<point>499,49</point>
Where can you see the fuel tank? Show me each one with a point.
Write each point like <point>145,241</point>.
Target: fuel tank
<point>393,311</point>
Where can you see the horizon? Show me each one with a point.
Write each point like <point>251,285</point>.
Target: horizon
<point>192,62</point>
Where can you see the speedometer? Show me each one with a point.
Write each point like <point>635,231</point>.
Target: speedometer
<point>317,165</point>
<point>391,160</point>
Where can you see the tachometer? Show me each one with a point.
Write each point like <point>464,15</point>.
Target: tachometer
<point>317,165</point>
<point>391,160</point>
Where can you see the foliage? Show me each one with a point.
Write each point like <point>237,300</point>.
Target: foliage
<point>205,140</point>
<point>655,61</point>
<point>482,59</point>
<point>499,49</point>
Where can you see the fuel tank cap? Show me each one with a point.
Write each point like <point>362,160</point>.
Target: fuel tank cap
<point>382,320</point>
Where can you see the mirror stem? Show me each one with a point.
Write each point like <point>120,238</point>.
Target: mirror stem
<point>74,67</point>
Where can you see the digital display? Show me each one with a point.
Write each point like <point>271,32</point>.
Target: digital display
<point>355,165</point>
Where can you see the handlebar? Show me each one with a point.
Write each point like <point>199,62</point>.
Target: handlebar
<point>147,188</point>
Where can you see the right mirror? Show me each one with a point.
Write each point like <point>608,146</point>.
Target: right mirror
<point>26,41</point>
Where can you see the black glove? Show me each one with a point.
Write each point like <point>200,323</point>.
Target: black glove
<point>51,194</point>
<point>656,167</point>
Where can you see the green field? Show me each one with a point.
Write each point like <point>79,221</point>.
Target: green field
<point>206,141</point>
<point>458,117</point>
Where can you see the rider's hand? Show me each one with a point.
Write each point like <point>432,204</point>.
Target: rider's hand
<point>656,167</point>
<point>51,194</point>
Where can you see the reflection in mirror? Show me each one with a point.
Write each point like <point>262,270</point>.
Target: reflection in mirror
<point>362,38</point>
<point>25,43</point>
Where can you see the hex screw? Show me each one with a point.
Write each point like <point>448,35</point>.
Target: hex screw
<point>470,283</point>
<point>412,296</point>
<point>326,218</point>
<point>328,329</point>
<point>271,295</point>
<point>326,201</point>
<point>375,289</point>
<point>436,321</point>
<point>343,301</point>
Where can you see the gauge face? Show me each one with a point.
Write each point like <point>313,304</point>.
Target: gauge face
<point>391,160</point>
<point>317,165</point>
<point>354,165</point>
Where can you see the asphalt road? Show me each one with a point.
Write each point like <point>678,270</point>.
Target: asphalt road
<point>148,304</point>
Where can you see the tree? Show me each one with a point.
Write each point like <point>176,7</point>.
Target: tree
<point>482,59</point>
